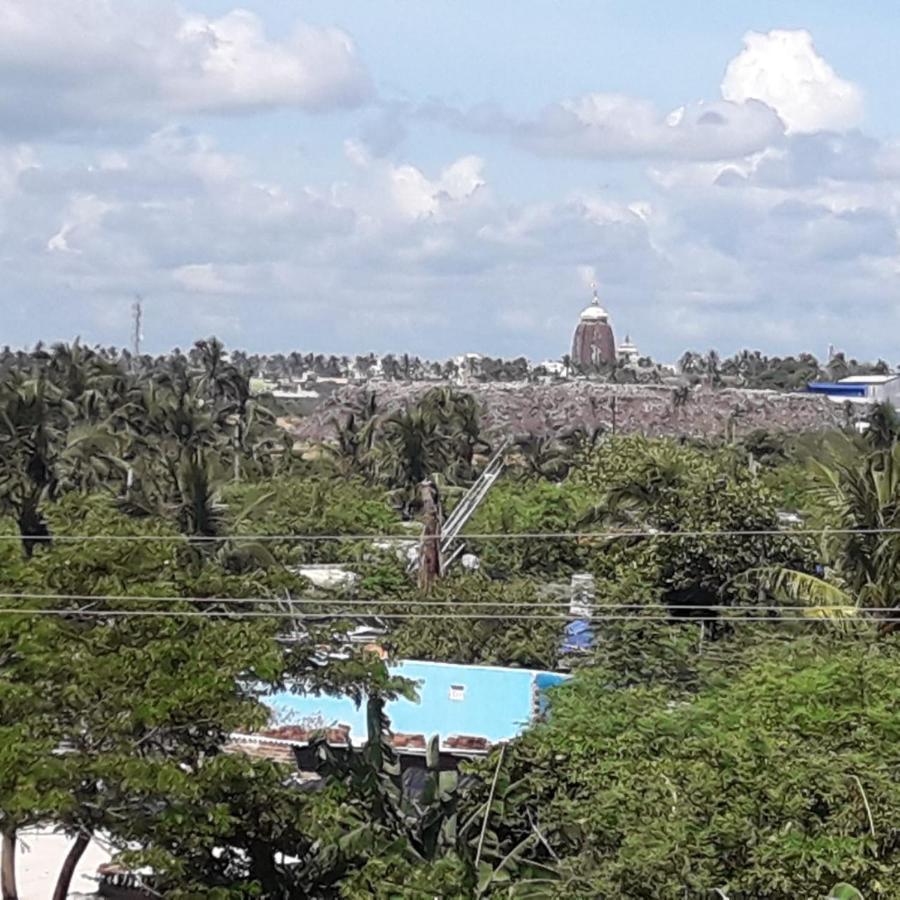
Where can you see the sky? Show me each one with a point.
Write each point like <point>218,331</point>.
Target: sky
<point>437,178</point>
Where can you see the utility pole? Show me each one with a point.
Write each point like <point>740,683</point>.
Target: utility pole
<point>137,310</point>
<point>430,547</point>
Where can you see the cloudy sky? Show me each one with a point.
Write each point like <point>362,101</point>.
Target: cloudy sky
<point>436,177</point>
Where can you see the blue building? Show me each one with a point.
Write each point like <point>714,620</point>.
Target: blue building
<point>487,702</point>
<point>860,389</point>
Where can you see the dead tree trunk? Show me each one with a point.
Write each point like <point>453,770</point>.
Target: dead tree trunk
<point>430,548</point>
<point>8,866</point>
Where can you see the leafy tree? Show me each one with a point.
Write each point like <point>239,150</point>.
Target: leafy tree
<point>649,488</point>
<point>773,783</point>
<point>529,506</point>
<point>504,636</point>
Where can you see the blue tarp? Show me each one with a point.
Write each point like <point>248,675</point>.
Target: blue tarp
<point>578,636</point>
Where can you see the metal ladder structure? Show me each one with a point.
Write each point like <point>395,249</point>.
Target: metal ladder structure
<point>451,545</point>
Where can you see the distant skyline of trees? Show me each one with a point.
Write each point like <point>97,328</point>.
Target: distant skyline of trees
<point>745,369</point>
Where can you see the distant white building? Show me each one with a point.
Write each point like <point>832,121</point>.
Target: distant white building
<point>468,367</point>
<point>862,389</point>
<point>879,388</point>
<point>295,393</point>
<point>553,367</point>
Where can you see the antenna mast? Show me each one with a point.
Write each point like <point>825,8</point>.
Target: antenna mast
<point>137,309</point>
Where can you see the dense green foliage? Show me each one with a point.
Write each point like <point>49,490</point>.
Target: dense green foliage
<point>154,522</point>
<point>753,369</point>
<point>772,779</point>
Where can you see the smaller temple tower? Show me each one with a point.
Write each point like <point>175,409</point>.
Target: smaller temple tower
<point>593,344</point>
<point>628,352</point>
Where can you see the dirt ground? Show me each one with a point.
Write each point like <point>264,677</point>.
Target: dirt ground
<point>39,858</point>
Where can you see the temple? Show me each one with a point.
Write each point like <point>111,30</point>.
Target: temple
<point>593,345</point>
<point>628,353</point>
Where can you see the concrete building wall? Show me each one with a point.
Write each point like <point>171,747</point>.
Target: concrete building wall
<point>888,392</point>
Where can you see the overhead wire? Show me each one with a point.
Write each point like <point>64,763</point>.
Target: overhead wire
<point>487,536</point>
<point>885,616</point>
<point>285,603</point>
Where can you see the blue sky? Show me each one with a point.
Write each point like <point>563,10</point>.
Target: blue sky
<point>438,177</point>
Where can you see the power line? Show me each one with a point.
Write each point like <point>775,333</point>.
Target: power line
<point>887,616</point>
<point>287,602</point>
<point>497,536</point>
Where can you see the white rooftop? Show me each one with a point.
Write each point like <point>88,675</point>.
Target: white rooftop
<point>868,379</point>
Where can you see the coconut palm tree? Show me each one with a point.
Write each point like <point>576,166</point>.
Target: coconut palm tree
<point>858,498</point>
<point>883,426</point>
<point>33,417</point>
<point>411,450</point>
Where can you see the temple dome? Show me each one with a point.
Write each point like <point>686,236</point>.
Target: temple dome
<point>595,312</point>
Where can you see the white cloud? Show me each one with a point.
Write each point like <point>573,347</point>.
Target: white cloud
<point>783,70</point>
<point>611,125</point>
<point>83,215</point>
<point>229,63</point>
<point>386,192</point>
<point>778,83</point>
<point>431,260</point>
<point>616,126</point>
<point>73,65</point>
<point>205,278</point>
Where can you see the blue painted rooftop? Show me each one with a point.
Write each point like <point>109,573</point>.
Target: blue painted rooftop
<point>835,388</point>
<point>485,701</point>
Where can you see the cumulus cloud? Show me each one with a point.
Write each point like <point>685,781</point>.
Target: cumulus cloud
<point>613,126</point>
<point>777,84</point>
<point>410,258</point>
<point>784,70</point>
<point>389,191</point>
<point>73,65</point>
<point>430,259</point>
<point>616,126</point>
<point>743,234</point>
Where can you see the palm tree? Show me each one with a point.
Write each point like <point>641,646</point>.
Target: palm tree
<point>680,397</point>
<point>215,371</point>
<point>691,363</point>
<point>713,364</point>
<point>32,423</point>
<point>355,436</point>
<point>412,450</point>
<point>544,457</point>
<point>859,500</point>
<point>883,426</point>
